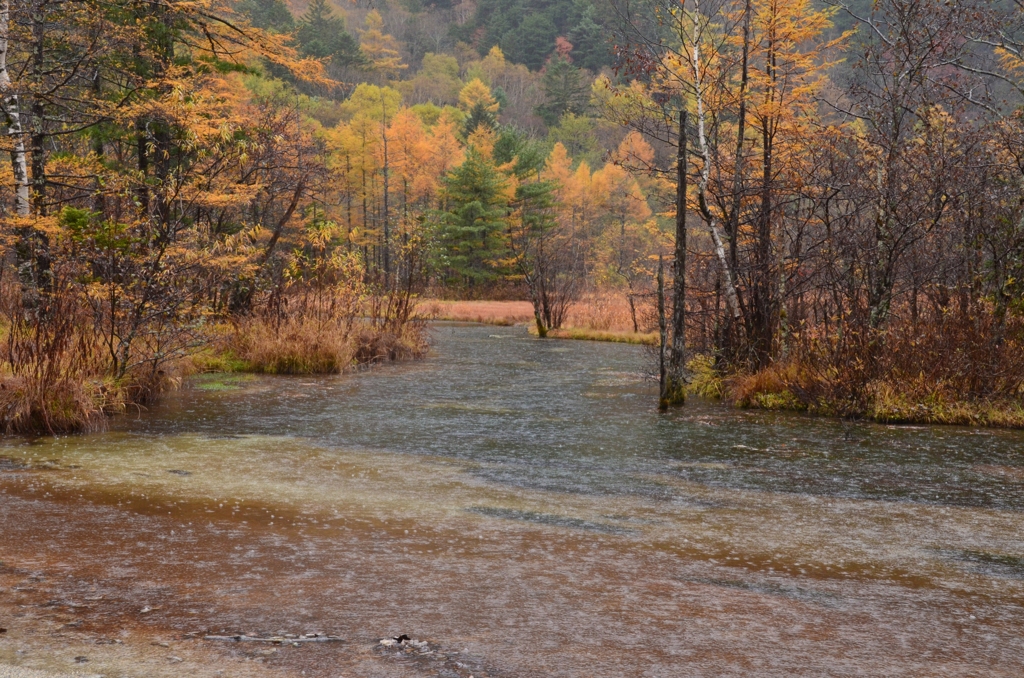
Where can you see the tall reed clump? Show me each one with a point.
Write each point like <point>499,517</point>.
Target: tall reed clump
<point>323,316</point>
<point>41,386</point>
<point>610,310</point>
<point>55,374</point>
<point>45,387</point>
<point>298,345</point>
<point>293,346</point>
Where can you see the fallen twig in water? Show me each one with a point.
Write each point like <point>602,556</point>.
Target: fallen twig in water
<point>315,638</point>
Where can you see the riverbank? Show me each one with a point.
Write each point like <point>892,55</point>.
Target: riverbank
<point>599,316</point>
<point>589,334</point>
<point>74,392</point>
<point>769,390</point>
<point>880,401</point>
<point>778,388</point>
<point>304,348</point>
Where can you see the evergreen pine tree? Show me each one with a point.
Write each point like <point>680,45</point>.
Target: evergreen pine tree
<point>515,145</point>
<point>323,35</point>
<point>591,49</point>
<point>532,41</point>
<point>479,115</point>
<point>268,14</point>
<point>564,91</point>
<point>470,236</point>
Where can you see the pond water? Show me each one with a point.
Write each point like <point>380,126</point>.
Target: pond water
<point>520,504</point>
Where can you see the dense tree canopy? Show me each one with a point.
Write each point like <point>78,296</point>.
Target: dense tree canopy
<point>832,193</point>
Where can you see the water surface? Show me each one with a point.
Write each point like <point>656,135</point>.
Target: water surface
<point>520,504</point>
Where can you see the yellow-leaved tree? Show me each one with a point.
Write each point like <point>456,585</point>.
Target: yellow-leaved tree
<point>380,48</point>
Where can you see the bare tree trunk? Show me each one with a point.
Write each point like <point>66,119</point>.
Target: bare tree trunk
<point>99,202</point>
<point>733,227</point>
<point>386,170</point>
<point>763,300</point>
<point>674,390</point>
<point>12,112</point>
<point>731,297</point>
<point>663,338</point>
<point>283,221</point>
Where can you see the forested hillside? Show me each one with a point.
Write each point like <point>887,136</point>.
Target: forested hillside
<point>829,195</point>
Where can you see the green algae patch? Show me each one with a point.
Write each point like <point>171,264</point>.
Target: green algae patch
<point>223,381</point>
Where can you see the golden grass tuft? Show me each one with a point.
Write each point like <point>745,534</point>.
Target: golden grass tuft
<point>303,346</point>
<point>293,346</point>
<point>939,406</point>
<point>768,389</point>
<point>28,405</point>
<point>588,334</point>
<point>705,380</point>
<point>786,387</point>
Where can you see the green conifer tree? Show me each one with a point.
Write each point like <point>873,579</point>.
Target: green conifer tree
<point>323,35</point>
<point>564,91</point>
<point>591,49</point>
<point>479,115</point>
<point>531,41</point>
<point>470,229</point>
<point>269,14</point>
<point>516,145</point>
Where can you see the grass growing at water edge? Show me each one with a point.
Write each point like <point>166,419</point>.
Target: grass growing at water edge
<point>588,334</point>
<point>789,387</point>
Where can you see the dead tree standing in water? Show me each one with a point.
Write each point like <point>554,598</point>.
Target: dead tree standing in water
<point>674,388</point>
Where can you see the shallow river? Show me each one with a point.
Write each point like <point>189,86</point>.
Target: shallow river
<point>519,504</point>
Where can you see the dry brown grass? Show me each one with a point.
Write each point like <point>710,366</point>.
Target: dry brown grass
<point>377,346</point>
<point>27,405</point>
<point>76,394</point>
<point>890,397</point>
<point>303,346</point>
<point>487,312</point>
<point>608,310</point>
<point>292,346</point>
<point>599,316</point>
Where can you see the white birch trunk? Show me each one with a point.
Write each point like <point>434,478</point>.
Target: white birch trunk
<point>13,113</point>
<point>731,296</point>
